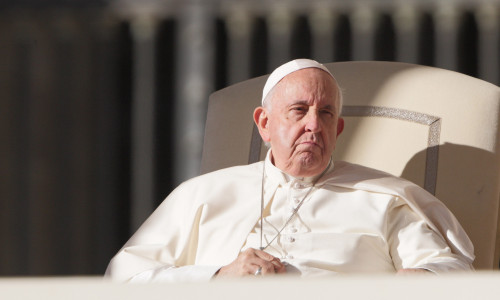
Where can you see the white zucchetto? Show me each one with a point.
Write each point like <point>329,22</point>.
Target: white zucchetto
<point>290,67</point>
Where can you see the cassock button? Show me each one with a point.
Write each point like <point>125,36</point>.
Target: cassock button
<point>293,230</point>
<point>291,239</point>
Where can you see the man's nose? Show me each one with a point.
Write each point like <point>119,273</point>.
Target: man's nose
<point>312,122</point>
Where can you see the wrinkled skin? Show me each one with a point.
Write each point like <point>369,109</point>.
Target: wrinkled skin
<point>301,122</point>
<point>249,261</point>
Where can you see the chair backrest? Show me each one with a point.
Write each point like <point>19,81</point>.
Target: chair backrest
<point>437,128</point>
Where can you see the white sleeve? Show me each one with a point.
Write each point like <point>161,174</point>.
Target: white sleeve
<point>413,244</point>
<point>160,245</point>
<point>176,274</point>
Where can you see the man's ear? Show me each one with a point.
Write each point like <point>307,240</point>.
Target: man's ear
<point>261,119</point>
<point>340,126</point>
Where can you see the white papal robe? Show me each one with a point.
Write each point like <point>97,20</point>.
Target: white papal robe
<point>356,220</point>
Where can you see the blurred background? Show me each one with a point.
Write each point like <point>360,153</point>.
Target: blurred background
<point>102,103</point>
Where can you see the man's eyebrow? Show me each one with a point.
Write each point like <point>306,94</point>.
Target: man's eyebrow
<point>299,102</point>
<point>304,102</point>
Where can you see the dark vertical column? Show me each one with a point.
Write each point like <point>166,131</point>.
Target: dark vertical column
<point>259,55</point>
<point>111,74</point>
<point>142,201</point>
<point>165,106</point>
<point>301,38</point>
<point>385,38</point>
<point>75,93</point>
<point>15,59</point>
<point>47,130</point>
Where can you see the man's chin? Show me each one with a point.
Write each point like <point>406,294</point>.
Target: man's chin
<point>310,165</point>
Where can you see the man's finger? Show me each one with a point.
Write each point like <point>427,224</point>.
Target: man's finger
<point>264,255</point>
<point>268,257</point>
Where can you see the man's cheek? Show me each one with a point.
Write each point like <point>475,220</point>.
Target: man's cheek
<point>284,139</point>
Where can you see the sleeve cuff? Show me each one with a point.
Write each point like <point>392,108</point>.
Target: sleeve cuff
<point>438,268</point>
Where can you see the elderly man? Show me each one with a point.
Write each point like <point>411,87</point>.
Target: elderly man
<point>297,212</point>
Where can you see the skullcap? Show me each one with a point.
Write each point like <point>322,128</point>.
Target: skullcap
<point>290,67</point>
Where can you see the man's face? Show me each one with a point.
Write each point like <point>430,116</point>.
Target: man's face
<point>302,122</point>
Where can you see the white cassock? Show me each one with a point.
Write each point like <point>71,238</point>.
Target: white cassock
<point>353,220</point>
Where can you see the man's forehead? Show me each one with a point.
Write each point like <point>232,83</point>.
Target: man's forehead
<point>308,87</point>
<point>295,89</point>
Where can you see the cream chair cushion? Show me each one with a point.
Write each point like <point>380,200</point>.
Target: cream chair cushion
<point>437,128</point>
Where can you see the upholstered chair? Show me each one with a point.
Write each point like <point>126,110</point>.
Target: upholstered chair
<point>437,128</point>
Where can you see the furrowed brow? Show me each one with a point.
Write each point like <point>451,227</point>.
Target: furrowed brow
<point>299,102</point>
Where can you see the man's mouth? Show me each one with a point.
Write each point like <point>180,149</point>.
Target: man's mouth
<point>309,143</point>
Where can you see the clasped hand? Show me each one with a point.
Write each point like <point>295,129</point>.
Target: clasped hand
<point>249,261</point>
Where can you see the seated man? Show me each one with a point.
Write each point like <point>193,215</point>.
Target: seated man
<point>297,212</point>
